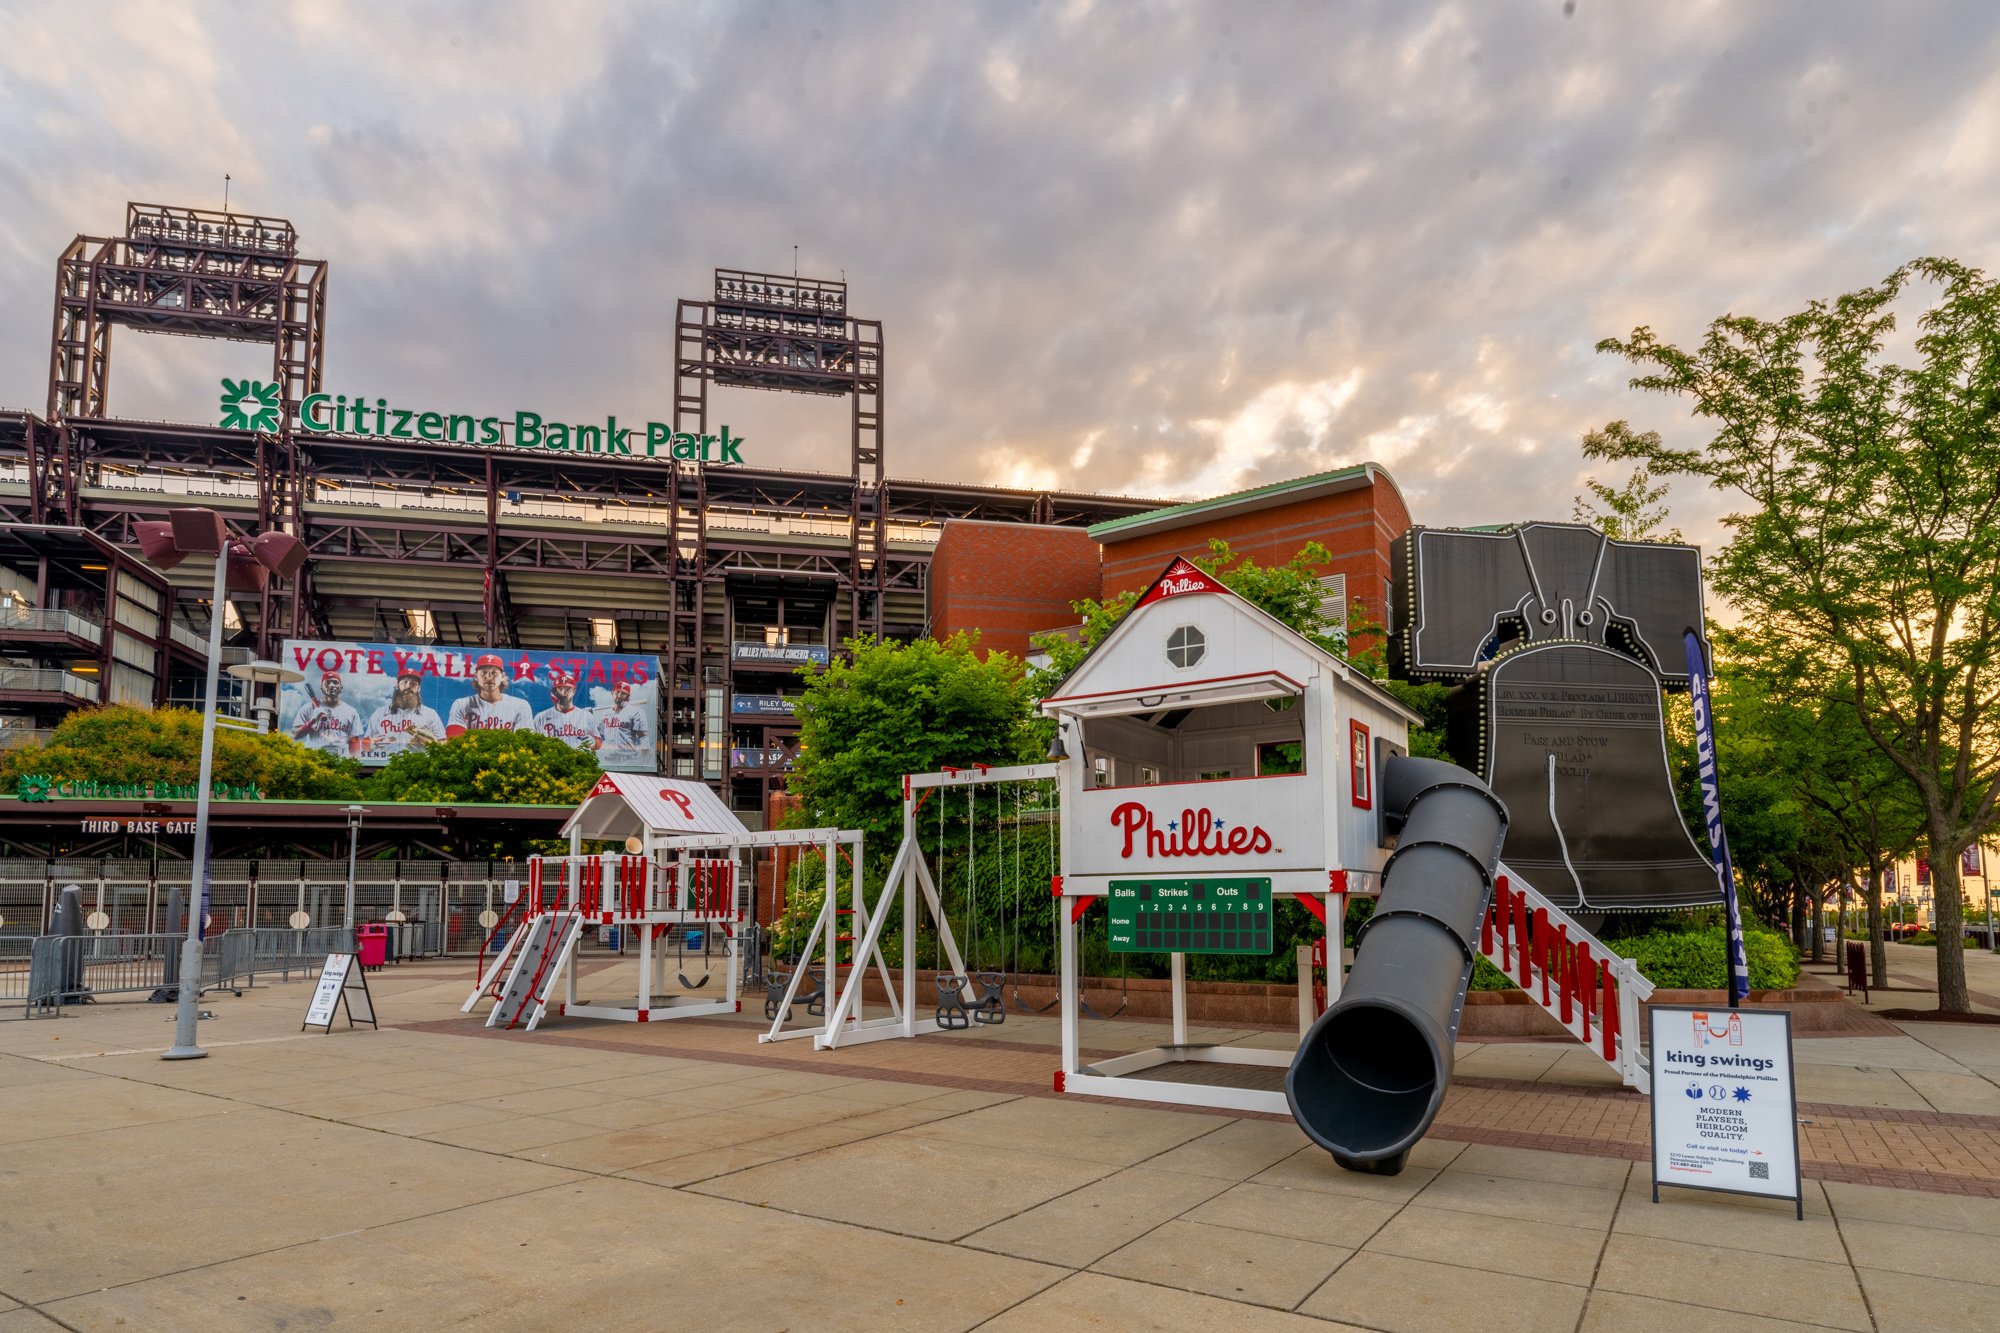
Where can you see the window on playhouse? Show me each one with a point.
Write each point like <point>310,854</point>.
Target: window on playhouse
<point>1242,738</point>
<point>1186,646</point>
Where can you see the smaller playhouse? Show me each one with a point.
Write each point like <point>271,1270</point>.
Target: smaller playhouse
<point>677,881</point>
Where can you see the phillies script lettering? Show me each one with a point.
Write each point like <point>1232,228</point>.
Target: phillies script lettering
<point>1195,833</point>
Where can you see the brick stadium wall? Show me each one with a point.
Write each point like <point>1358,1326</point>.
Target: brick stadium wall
<point>1355,526</point>
<point>1009,580</point>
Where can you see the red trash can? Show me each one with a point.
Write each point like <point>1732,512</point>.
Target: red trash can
<point>373,942</point>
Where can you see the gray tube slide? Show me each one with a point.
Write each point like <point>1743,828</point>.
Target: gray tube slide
<point>1371,1074</point>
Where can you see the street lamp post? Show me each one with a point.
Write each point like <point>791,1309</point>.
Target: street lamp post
<point>243,563</point>
<point>253,674</point>
<point>354,814</point>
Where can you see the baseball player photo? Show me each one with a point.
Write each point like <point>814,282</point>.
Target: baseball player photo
<point>404,723</point>
<point>489,707</point>
<point>325,723</point>
<point>625,731</point>
<point>562,719</point>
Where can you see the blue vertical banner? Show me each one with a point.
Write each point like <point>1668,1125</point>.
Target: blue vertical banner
<point>1711,808</point>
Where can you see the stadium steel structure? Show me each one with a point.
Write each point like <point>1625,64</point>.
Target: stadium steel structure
<point>463,544</point>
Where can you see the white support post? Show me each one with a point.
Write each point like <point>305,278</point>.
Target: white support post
<point>909,891</point>
<point>645,963</point>
<point>1066,924</point>
<point>830,850</point>
<point>857,924</point>
<point>949,940</point>
<point>1178,963</point>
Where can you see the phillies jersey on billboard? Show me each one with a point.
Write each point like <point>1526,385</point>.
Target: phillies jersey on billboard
<point>625,731</point>
<point>472,713</point>
<point>329,727</point>
<point>575,727</point>
<point>393,730</point>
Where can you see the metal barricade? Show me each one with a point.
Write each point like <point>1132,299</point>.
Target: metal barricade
<point>81,969</point>
<point>278,950</point>
<point>16,956</point>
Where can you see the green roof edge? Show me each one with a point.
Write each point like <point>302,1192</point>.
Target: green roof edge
<point>1099,531</point>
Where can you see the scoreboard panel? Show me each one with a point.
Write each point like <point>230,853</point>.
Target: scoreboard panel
<point>1209,915</point>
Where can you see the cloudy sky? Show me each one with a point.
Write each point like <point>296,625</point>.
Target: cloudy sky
<point>1152,248</point>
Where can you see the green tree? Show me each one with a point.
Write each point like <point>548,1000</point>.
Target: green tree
<point>496,767</point>
<point>1631,512</point>
<point>1871,533</point>
<point>902,708</point>
<point>117,743</point>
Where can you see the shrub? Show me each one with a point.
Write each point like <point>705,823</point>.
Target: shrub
<point>1698,960</point>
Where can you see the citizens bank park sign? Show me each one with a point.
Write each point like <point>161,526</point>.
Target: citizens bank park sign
<point>255,405</point>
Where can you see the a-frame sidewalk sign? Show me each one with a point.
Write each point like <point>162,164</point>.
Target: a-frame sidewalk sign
<point>342,983</point>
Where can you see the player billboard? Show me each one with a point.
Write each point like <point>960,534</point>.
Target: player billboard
<point>373,701</point>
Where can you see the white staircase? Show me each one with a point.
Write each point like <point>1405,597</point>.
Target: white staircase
<point>1570,973</point>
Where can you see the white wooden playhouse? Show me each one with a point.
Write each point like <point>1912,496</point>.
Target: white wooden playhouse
<point>1215,759</point>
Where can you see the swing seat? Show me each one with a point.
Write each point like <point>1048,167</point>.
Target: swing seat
<point>775,986</point>
<point>814,1001</point>
<point>951,1014</point>
<point>991,1009</point>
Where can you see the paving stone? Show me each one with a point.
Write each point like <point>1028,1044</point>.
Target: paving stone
<point>1926,1251</point>
<point>1530,1249</point>
<point>1765,1226</point>
<point>437,1119</point>
<point>1234,1150</point>
<point>250,1180</point>
<point>1249,1266</point>
<point>1731,1279</point>
<point>918,1187</point>
<point>1313,1169</point>
<point>1558,1168</point>
<point>1952,1212</point>
<point>53,1109</point>
<point>1342,1220</point>
<point>1081,1227</point>
<point>597,1254</point>
<point>1385,1291</point>
<point>510,1135</point>
<point>1073,1127</point>
<point>1913,1303</point>
<point>704,1164</point>
<point>1529,1200</point>
<point>1619,1312</point>
<point>1095,1302</point>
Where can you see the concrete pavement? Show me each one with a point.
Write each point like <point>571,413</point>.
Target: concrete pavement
<point>680,1175</point>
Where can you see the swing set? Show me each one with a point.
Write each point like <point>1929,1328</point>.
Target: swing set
<point>966,993</point>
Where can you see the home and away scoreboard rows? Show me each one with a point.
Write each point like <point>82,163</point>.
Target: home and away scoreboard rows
<point>1190,915</point>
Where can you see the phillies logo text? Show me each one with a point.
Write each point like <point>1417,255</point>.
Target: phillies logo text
<point>1195,833</point>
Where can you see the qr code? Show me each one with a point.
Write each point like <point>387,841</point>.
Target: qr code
<point>1760,1170</point>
